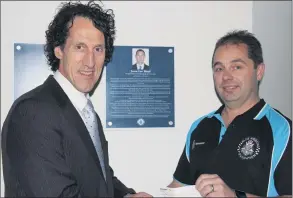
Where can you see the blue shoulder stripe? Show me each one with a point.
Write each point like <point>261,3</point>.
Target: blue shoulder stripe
<point>193,126</point>
<point>281,133</point>
<point>262,112</point>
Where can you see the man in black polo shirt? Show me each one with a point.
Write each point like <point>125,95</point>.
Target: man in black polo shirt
<point>245,147</point>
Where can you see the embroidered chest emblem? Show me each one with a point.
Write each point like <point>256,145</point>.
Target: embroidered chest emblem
<point>248,148</point>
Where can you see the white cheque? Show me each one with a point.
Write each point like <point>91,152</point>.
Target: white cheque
<point>185,191</point>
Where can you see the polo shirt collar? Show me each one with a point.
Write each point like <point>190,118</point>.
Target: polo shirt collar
<point>256,112</point>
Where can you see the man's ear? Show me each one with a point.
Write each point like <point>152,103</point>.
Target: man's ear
<point>260,70</point>
<point>58,52</point>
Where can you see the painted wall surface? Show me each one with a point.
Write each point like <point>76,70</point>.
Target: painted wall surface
<point>272,24</point>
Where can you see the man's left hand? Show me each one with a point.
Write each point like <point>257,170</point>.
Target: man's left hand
<point>211,185</point>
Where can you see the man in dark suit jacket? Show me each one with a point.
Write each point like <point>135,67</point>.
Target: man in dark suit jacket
<point>47,149</point>
<point>140,65</point>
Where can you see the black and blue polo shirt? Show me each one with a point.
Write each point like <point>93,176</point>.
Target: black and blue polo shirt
<point>253,154</point>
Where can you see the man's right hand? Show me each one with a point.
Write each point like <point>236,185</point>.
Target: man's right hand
<point>140,194</point>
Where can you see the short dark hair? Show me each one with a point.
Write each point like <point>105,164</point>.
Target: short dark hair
<point>236,37</point>
<point>58,29</point>
<point>139,50</point>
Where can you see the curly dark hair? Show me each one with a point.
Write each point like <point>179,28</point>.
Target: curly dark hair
<point>58,29</point>
<point>236,37</point>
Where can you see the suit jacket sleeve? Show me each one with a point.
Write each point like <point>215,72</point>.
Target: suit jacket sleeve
<point>34,148</point>
<point>120,189</point>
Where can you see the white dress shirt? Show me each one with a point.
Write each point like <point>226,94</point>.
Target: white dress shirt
<point>77,98</point>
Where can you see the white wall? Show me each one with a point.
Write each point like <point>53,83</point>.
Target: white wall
<point>272,24</point>
<point>144,159</point>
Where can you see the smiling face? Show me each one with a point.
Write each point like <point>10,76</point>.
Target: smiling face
<point>235,77</point>
<point>82,57</point>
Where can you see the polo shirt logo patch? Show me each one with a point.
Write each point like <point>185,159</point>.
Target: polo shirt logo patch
<point>248,148</point>
<point>196,144</point>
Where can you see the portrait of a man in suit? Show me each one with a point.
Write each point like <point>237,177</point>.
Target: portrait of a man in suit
<point>140,64</point>
<point>53,143</point>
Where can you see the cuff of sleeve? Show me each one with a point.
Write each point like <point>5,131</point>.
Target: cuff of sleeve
<point>129,192</point>
<point>180,182</point>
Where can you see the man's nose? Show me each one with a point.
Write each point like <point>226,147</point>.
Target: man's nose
<point>89,59</point>
<point>227,75</point>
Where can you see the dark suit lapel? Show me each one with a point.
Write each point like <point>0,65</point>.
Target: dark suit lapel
<point>106,156</point>
<point>74,118</point>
